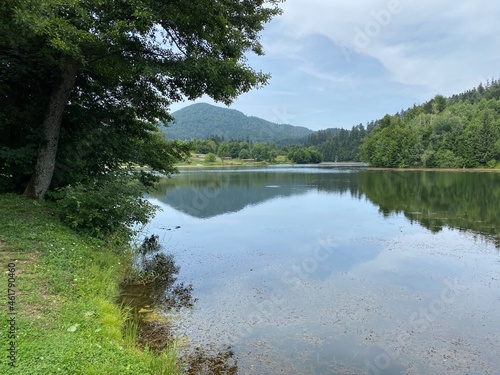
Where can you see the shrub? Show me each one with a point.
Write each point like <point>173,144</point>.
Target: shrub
<point>103,207</point>
<point>210,158</point>
<point>491,164</point>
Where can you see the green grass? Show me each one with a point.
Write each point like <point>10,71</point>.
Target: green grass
<point>66,286</point>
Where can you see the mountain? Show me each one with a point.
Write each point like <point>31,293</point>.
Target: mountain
<point>202,121</point>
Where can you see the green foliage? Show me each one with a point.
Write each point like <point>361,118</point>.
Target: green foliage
<point>244,154</point>
<point>225,149</point>
<point>260,151</point>
<point>210,157</point>
<point>165,363</point>
<point>390,145</point>
<point>15,165</point>
<point>492,164</point>
<point>129,62</point>
<point>202,121</point>
<point>263,151</point>
<point>445,133</point>
<point>100,208</point>
<point>67,318</point>
<point>438,104</point>
<point>456,132</point>
<point>338,144</point>
<point>205,146</point>
<point>447,159</point>
<point>304,155</point>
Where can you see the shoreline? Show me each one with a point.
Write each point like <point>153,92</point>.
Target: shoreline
<point>67,319</point>
<point>417,169</point>
<point>340,164</point>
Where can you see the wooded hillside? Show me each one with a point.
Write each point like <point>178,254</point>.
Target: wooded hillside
<point>203,121</point>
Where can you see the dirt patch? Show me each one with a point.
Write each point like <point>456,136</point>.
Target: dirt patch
<point>32,294</point>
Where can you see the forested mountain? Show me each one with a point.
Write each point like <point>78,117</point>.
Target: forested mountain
<point>458,132</point>
<point>462,131</point>
<point>203,121</point>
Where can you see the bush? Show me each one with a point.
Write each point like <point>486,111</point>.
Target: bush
<point>491,164</point>
<point>305,155</point>
<point>103,207</point>
<point>210,157</point>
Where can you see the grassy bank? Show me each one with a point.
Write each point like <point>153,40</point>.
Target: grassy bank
<point>195,161</point>
<point>65,317</point>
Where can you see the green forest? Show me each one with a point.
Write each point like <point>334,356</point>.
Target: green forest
<point>458,132</point>
<point>462,131</point>
<point>338,144</point>
<point>203,121</point>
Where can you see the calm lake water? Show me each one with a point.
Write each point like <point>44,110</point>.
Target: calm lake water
<point>309,270</point>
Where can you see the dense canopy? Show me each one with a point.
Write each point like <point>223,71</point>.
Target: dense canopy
<point>98,75</point>
<point>85,83</point>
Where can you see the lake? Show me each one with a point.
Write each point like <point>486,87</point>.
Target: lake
<point>329,270</point>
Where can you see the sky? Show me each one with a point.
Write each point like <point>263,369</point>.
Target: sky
<point>341,63</point>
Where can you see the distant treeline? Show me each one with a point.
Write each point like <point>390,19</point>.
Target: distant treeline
<point>339,144</point>
<point>462,131</point>
<point>261,151</point>
<point>202,121</point>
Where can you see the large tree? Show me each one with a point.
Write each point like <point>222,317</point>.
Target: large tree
<point>101,74</point>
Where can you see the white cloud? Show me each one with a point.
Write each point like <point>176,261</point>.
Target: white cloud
<point>436,44</point>
<point>326,73</point>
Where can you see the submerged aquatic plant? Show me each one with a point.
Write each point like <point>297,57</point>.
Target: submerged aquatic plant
<point>206,361</point>
<point>154,281</point>
<point>150,245</point>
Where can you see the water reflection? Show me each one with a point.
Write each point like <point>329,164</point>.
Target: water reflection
<point>153,287</point>
<point>338,271</point>
<point>203,361</point>
<point>435,199</point>
<point>465,201</point>
<point>205,194</point>
<point>156,288</point>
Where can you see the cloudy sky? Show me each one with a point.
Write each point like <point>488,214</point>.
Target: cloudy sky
<point>340,63</point>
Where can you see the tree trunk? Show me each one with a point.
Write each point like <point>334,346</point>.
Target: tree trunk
<point>51,127</point>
